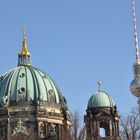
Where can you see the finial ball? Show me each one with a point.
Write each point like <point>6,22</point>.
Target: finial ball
<point>99,83</point>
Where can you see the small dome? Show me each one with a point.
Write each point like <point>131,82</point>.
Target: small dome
<point>100,99</point>
<point>29,83</point>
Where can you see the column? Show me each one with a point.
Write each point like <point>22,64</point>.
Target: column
<point>110,127</point>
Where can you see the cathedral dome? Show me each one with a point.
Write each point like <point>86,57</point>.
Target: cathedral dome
<point>100,99</point>
<point>29,83</point>
<point>31,104</point>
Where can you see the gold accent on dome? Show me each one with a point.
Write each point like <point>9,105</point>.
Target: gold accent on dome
<point>24,50</point>
<point>99,84</point>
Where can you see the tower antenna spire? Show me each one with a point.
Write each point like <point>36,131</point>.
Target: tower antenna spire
<point>135,33</point>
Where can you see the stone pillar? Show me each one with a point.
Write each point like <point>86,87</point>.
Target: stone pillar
<point>46,128</point>
<point>41,130</point>
<point>59,131</point>
<point>8,130</point>
<point>88,129</point>
<point>4,133</point>
<point>113,128</point>
<point>117,128</point>
<point>94,127</point>
<point>91,129</point>
<point>97,131</point>
<point>110,127</point>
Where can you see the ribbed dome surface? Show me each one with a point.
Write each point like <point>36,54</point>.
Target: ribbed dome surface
<point>28,83</point>
<point>100,99</point>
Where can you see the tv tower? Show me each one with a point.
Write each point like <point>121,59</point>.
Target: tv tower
<point>135,84</point>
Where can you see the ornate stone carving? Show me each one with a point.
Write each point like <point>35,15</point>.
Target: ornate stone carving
<point>4,101</point>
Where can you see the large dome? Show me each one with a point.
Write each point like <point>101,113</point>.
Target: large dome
<point>29,83</point>
<point>31,105</point>
<point>100,99</point>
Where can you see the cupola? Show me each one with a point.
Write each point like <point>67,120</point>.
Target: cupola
<point>24,56</point>
<point>100,99</point>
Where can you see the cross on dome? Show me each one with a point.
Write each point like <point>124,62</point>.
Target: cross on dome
<point>24,30</point>
<point>24,56</point>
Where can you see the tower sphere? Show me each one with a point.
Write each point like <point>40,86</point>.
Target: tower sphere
<point>135,84</point>
<point>135,87</point>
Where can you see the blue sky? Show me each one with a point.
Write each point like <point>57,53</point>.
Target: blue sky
<point>77,42</point>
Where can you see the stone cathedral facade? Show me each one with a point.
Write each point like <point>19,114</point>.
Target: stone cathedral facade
<point>33,108</point>
<point>31,105</point>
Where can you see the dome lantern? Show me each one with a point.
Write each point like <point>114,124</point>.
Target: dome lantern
<point>24,56</point>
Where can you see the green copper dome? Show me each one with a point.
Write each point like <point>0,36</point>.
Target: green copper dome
<point>100,99</point>
<point>29,83</point>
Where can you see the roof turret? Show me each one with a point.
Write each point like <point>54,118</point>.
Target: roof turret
<point>100,99</point>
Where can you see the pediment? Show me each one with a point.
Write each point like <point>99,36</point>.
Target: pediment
<point>103,114</point>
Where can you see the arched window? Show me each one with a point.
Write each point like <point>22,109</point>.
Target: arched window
<point>102,132</point>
